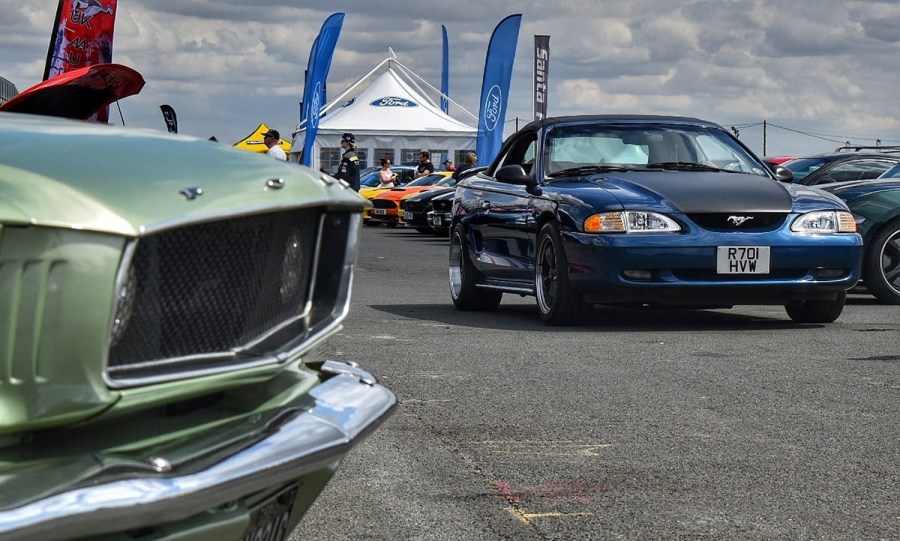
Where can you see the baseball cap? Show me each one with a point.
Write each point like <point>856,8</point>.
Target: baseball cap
<point>348,137</point>
<point>448,161</point>
<point>273,134</point>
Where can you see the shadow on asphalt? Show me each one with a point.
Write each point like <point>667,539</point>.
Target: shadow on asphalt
<point>525,317</point>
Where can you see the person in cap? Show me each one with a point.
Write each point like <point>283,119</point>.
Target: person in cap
<point>272,140</point>
<point>348,169</point>
<point>448,165</point>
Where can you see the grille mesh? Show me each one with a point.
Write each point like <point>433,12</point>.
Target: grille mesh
<point>759,221</point>
<point>208,289</point>
<point>384,204</point>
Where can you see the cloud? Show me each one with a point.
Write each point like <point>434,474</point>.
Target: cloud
<point>226,65</point>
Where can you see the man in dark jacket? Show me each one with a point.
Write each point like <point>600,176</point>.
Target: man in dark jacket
<point>471,160</point>
<point>348,170</point>
<point>425,166</point>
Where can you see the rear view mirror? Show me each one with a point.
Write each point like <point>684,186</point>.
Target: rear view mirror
<point>514,174</point>
<point>784,174</point>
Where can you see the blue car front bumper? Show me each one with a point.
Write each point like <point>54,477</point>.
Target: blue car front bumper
<point>681,269</point>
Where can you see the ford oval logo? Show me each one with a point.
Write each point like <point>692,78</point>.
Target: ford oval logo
<point>492,108</point>
<point>315,106</point>
<point>393,101</point>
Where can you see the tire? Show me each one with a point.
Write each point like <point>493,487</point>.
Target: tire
<point>881,264</point>
<point>462,277</point>
<point>817,311</point>
<point>557,302</point>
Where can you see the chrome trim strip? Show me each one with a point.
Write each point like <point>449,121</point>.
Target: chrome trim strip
<point>345,410</point>
<point>523,290</point>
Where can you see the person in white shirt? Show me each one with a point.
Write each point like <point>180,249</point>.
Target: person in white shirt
<point>272,140</point>
<point>385,175</point>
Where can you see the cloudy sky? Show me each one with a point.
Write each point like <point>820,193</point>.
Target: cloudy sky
<point>819,73</point>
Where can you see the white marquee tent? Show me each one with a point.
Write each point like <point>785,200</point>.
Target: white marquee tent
<point>392,113</point>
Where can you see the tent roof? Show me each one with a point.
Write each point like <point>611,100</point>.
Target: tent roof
<point>389,104</point>
<point>254,141</point>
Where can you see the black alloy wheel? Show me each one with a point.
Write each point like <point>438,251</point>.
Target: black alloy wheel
<point>557,302</point>
<point>462,277</point>
<point>881,264</point>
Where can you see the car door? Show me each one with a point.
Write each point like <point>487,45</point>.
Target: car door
<point>504,226</point>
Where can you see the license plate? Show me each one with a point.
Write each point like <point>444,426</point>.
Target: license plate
<point>742,260</point>
<point>436,220</point>
<point>407,215</point>
<point>379,211</point>
<point>270,519</point>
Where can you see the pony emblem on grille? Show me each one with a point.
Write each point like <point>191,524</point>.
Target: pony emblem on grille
<point>739,220</point>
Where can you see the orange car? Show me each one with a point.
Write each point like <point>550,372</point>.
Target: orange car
<point>386,205</point>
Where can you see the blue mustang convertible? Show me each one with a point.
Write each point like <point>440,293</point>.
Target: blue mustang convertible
<point>646,210</point>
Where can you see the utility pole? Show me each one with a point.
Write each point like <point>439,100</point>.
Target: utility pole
<point>764,138</point>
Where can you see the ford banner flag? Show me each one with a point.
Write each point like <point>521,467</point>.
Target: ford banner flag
<point>495,88</point>
<point>445,72</point>
<point>319,65</point>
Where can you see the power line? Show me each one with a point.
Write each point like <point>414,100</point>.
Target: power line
<point>825,136</point>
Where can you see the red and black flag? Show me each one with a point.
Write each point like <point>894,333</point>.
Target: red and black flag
<point>82,36</point>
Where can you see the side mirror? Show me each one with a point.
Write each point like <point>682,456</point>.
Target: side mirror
<point>784,174</point>
<point>514,174</point>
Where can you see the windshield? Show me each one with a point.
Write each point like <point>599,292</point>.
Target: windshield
<point>587,148</point>
<point>804,167</point>
<point>426,180</point>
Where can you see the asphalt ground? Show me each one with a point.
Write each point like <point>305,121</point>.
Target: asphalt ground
<point>710,424</point>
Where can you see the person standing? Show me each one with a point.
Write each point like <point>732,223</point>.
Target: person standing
<point>448,165</point>
<point>348,170</point>
<point>272,140</point>
<point>385,175</point>
<point>425,166</point>
<point>471,160</point>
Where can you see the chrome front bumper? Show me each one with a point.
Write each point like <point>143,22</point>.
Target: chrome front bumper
<point>347,406</point>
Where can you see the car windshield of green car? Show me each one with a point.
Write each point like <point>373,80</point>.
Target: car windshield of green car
<point>804,167</point>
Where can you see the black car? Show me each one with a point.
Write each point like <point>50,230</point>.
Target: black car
<point>646,210</point>
<point>840,167</point>
<point>415,209</point>
<point>440,215</point>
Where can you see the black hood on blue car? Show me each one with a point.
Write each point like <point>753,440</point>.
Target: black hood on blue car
<point>706,192</point>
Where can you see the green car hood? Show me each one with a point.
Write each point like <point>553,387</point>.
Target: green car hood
<point>130,191</point>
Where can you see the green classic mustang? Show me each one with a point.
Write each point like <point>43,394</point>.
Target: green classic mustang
<point>158,295</point>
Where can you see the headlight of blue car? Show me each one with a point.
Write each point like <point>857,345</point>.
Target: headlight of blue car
<point>630,222</point>
<point>824,221</point>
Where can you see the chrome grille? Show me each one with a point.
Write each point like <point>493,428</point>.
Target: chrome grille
<point>210,296</point>
<point>442,205</point>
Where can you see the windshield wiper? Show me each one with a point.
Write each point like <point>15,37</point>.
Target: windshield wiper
<point>587,169</point>
<point>687,166</point>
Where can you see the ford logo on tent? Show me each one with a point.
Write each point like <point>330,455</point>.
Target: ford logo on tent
<point>393,101</point>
